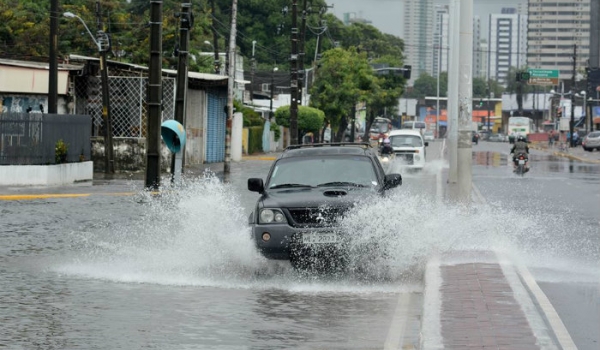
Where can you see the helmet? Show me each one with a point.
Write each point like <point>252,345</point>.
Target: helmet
<point>386,140</point>
<point>521,138</point>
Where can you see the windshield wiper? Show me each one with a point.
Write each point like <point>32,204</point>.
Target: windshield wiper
<point>289,186</point>
<point>341,183</point>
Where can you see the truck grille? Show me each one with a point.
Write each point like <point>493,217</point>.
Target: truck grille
<point>316,217</point>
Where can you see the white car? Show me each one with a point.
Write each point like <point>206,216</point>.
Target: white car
<point>409,147</point>
<point>428,136</point>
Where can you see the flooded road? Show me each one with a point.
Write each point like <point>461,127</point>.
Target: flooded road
<point>113,271</point>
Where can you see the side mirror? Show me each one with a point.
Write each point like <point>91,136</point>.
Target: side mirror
<point>256,185</point>
<point>393,180</point>
<point>426,143</point>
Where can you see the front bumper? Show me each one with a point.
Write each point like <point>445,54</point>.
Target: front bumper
<point>285,238</point>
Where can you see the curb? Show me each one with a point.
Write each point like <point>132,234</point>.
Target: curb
<point>566,155</point>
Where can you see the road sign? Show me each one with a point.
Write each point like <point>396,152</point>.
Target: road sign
<point>543,77</point>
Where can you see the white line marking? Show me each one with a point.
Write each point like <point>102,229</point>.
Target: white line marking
<point>431,324</point>
<point>556,324</point>
<point>523,298</point>
<point>395,335</point>
<point>563,336</point>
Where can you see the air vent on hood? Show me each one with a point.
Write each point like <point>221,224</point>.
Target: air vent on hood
<point>335,193</point>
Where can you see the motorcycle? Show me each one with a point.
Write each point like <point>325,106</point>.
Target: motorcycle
<point>387,158</point>
<point>521,160</point>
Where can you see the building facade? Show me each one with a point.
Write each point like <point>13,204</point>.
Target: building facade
<point>554,29</point>
<point>507,43</point>
<point>418,36</point>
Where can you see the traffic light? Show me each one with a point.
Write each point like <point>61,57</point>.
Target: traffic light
<point>406,72</point>
<point>523,76</point>
<point>480,102</point>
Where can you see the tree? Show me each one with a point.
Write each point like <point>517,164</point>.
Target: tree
<point>425,85</point>
<point>385,91</point>
<point>343,79</point>
<point>309,119</point>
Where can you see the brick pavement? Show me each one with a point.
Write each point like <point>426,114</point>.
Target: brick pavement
<point>479,311</point>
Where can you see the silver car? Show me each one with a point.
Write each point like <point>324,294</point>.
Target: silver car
<point>591,141</point>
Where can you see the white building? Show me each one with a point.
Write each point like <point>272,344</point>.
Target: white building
<point>554,28</point>
<point>507,43</point>
<point>441,36</point>
<point>418,36</point>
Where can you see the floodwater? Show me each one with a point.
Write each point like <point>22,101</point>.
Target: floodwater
<point>180,271</point>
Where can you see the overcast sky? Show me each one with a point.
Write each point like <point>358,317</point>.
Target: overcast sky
<point>387,15</point>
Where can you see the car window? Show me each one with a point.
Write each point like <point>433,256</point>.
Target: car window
<point>594,134</point>
<point>406,141</point>
<point>325,169</point>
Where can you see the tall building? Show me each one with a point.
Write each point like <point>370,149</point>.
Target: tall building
<point>441,36</point>
<point>484,60</point>
<point>476,47</point>
<point>418,36</point>
<point>507,43</point>
<point>440,40</point>
<point>555,27</point>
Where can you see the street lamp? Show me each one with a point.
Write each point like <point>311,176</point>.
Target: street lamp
<point>275,69</point>
<point>102,42</point>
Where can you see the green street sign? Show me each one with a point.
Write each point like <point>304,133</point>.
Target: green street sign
<point>543,77</point>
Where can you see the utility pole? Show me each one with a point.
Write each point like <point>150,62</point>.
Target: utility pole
<point>453,91</point>
<point>572,121</point>
<point>186,21</point>
<point>437,103</point>
<point>231,74</point>
<point>464,150</point>
<point>104,45</point>
<point>301,53</point>
<point>489,127</point>
<point>154,96</point>
<point>53,66</point>
<point>294,80</point>
<point>217,62</point>
<point>253,69</point>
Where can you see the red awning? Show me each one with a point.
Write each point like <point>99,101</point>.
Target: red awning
<point>597,120</point>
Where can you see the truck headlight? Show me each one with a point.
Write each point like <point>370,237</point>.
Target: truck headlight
<point>271,216</point>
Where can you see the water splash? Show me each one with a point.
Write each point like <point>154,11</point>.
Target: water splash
<point>197,235</point>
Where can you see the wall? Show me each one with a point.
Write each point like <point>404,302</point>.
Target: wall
<point>129,155</point>
<point>32,175</point>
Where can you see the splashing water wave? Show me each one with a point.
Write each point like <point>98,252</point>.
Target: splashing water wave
<point>198,235</point>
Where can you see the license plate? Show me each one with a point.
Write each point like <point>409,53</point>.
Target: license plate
<point>521,161</point>
<point>319,237</point>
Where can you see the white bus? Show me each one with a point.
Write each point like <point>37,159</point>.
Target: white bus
<point>519,126</point>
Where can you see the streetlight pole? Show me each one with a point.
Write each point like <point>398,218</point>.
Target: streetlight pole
<point>272,88</point>
<point>437,106</point>
<point>102,42</point>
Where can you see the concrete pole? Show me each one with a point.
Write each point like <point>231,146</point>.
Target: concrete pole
<point>53,67</point>
<point>231,74</point>
<point>465,100</point>
<point>185,23</point>
<point>453,90</point>
<point>154,96</point>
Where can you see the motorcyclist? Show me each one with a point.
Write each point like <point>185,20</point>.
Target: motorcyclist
<point>386,148</point>
<point>520,146</point>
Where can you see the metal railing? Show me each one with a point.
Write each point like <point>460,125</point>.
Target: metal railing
<point>30,138</point>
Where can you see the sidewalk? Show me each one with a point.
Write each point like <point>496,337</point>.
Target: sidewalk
<point>576,153</point>
<point>485,302</point>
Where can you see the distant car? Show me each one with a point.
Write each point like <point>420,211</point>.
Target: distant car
<point>428,136</point>
<point>591,141</point>
<point>497,138</point>
<point>409,147</point>
<point>307,191</point>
